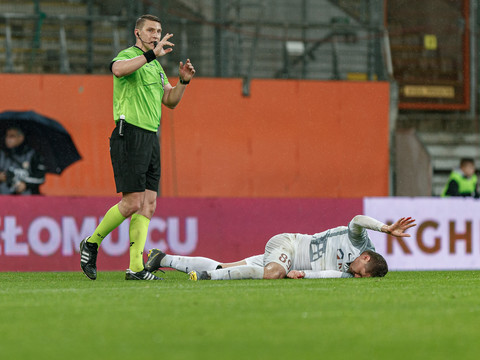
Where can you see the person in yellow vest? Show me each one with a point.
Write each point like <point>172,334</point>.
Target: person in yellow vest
<point>463,181</point>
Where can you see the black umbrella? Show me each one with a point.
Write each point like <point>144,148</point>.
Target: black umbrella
<point>45,135</point>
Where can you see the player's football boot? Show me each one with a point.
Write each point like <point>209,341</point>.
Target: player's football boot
<point>154,258</point>
<point>141,275</point>
<point>198,275</point>
<point>88,259</point>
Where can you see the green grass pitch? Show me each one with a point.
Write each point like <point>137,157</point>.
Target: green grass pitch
<point>406,315</point>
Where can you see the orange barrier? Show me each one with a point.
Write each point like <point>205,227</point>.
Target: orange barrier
<point>289,138</point>
<point>83,105</point>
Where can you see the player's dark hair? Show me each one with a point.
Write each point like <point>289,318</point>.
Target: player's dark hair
<point>141,20</point>
<point>377,266</point>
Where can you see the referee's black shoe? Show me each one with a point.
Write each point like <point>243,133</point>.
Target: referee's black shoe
<point>141,275</point>
<point>88,260</point>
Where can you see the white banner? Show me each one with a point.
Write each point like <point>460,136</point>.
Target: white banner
<point>447,235</point>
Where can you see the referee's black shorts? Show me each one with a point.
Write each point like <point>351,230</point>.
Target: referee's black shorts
<point>135,159</point>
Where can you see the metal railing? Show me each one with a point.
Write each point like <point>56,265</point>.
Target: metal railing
<point>231,45</point>
<point>55,41</point>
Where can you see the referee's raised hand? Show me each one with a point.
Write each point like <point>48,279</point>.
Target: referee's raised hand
<point>186,71</point>
<point>160,49</point>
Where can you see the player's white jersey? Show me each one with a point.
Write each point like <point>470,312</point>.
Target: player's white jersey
<point>333,249</point>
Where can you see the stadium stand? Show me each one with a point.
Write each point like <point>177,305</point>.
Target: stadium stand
<point>331,40</point>
<point>337,44</point>
<point>445,150</point>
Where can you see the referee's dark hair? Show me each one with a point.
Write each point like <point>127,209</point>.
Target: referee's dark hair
<point>141,20</point>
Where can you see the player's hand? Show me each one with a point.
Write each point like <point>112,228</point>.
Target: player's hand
<point>398,228</point>
<point>186,71</point>
<point>295,274</point>
<point>160,49</point>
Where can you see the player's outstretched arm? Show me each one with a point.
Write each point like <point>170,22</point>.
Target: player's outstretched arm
<point>398,228</point>
<point>322,274</point>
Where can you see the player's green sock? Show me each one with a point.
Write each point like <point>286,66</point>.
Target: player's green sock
<point>138,236</point>
<point>112,219</point>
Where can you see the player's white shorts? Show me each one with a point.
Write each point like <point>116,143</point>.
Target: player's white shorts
<point>280,249</point>
<point>256,260</point>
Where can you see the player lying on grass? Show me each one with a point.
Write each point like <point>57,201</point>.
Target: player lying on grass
<point>344,251</point>
<point>158,259</point>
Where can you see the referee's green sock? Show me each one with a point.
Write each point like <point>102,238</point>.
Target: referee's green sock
<point>138,236</point>
<point>112,219</point>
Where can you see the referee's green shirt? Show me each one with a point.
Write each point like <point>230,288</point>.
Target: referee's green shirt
<point>138,96</point>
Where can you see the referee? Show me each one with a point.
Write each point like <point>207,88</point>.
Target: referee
<point>140,86</point>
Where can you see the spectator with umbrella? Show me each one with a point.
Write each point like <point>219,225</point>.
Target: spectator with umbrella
<point>22,169</point>
<point>34,145</point>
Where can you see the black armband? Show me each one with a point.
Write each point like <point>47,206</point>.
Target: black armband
<point>183,82</point>
<point>149,55</point>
